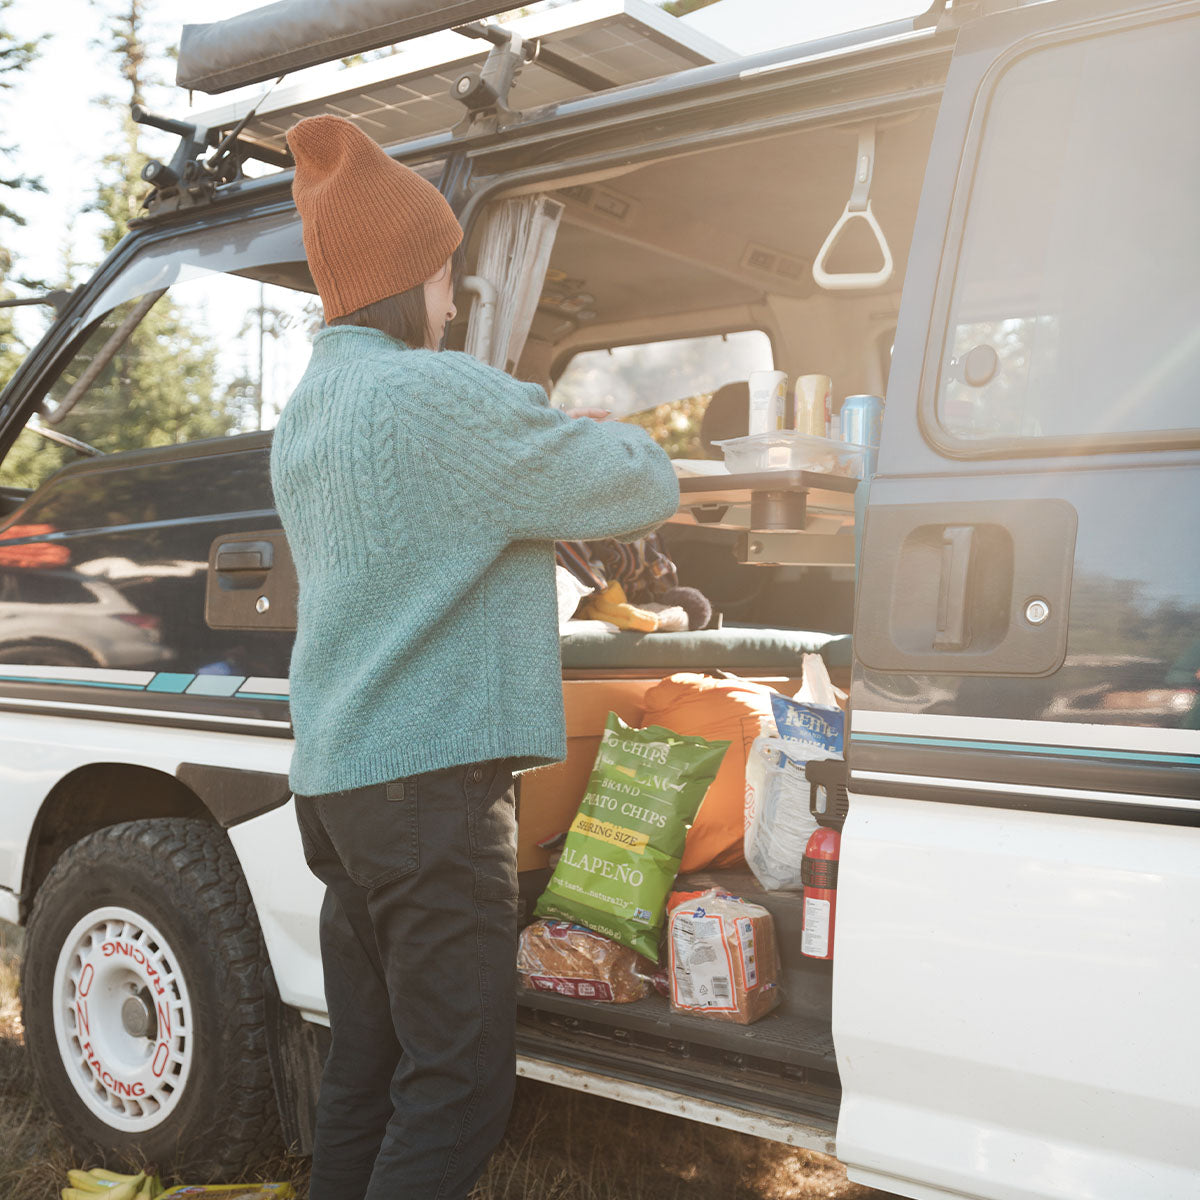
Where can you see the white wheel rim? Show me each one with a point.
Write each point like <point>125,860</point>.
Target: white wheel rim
<point>123,1019</point>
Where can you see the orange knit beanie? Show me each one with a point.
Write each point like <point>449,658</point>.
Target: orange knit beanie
<point>372,227</point>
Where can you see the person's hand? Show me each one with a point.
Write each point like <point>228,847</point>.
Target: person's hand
<point>597,414</point>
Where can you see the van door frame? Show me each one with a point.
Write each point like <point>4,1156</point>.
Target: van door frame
<point>962,914</point>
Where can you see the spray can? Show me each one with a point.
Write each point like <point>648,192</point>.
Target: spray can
<point>768,397</point>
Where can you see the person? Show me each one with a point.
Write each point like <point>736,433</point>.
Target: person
<point>421,493</point>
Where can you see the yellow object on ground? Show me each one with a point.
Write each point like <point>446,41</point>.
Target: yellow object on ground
<point>612,606</point>
<point>122,1187</point>
<point>84,1181</point>
<point>102,1184</point>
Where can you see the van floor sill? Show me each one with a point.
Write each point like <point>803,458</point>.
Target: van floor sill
<point>774,1090</point>
<point>778,1038</point>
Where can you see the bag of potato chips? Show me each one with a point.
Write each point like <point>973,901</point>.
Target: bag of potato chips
<point>624,846</point>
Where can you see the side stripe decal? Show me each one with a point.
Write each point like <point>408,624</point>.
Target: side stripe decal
<point>981,785</point>
<point>1185,760</point>
<point>254,687</point>
<point>151,715</point>
<point>1114,740</point>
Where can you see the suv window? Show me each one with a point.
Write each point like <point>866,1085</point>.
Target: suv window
<point>198,336</point>
<point>215,355</point>
<point>663,386</point>
<point>1078,263</point>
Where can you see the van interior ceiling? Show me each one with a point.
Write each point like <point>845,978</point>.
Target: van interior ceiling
<point>724,239</point>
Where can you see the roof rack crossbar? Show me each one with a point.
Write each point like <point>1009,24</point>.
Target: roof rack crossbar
<point>189,176</point>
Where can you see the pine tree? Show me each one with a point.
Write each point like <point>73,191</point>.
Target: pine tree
<point>161,386</point>
<point>119,196</point>
<point>15,56</point>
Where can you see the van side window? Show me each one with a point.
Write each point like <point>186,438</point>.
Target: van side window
<point>1074,307</point>
<point>668,386</point>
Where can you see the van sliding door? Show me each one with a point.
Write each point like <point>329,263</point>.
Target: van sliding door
<point>1016,974</point>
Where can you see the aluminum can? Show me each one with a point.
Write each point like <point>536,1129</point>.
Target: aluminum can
<point>812,404</point>
<point>862,420</point>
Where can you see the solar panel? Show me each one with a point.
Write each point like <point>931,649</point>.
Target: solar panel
<point>406,95</point>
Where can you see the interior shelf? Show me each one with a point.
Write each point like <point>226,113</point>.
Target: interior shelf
<point>803,518</point>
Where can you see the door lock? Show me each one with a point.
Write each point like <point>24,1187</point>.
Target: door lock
<point>1037,612</point>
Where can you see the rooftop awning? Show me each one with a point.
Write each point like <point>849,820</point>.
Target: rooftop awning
<point>278,39</point>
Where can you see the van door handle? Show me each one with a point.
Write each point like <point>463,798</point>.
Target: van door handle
<point>244,556</point>
<point>951,633</point>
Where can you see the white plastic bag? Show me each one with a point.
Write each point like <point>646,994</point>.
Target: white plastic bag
<point>570,592</point>
<point>811,720</point>
<point>778,822</point>
<point>817,687</point>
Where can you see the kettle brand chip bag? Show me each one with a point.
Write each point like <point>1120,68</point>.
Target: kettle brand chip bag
<point>624,846</point>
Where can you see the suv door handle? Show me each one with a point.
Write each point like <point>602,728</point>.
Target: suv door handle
<point>251,581</point>
<point>943,584</point>
<point>951,631</point>
<point>244,556</point>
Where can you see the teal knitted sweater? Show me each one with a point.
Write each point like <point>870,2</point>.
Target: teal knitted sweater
<point>421,494</point>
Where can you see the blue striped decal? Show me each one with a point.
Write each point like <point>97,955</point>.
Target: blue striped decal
<point>99,683</point>
<point>1183,760</point>
<point>162,682</point>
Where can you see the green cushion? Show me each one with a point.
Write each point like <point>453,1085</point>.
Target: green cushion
<point>734,647</point>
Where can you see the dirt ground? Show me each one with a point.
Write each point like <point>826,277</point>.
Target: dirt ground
<point>559,1145</point>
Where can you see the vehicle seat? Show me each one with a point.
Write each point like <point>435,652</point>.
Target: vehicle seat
<point>726,416</point>
<point>741,649</point>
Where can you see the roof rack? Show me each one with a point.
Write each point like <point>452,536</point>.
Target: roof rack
<point>457,80</point>
<point>453,83</point>
<point>191,178</point>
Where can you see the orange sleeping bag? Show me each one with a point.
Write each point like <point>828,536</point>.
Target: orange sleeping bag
<point>733,710</point>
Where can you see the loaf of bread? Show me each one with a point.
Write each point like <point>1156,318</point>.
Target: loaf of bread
<point>724,961</point>
<point>572,960</point>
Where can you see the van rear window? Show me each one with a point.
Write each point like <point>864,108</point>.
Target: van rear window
<point>665,386</point>
<point>1074,305</point>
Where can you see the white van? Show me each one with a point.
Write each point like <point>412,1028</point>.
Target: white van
<point>1009,1011</point>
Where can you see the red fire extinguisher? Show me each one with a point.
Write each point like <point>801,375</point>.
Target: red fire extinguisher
<point>818,873</point>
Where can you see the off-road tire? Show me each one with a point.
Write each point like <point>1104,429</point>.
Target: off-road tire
<point>182,878</point>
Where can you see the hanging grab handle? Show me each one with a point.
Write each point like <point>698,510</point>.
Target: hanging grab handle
<point>859,205</point>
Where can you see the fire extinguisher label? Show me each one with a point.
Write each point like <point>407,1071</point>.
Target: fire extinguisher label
<point>815,941</point>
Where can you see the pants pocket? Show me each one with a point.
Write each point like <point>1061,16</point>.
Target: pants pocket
<point>492,828</point>
<point>311,840</point>
<point>375,831</point>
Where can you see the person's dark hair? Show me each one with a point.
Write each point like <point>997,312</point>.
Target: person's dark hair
<point>403,315</point>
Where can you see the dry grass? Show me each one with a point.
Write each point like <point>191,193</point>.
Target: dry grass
<point>559,1146</point>
<point>568,1146</point>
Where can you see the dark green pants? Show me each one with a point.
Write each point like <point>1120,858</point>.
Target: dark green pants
<point>418,944</point>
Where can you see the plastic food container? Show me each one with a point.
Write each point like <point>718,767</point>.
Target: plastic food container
<point>791,451</point>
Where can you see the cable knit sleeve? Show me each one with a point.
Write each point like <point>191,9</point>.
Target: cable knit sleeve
<point>547,476</point>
